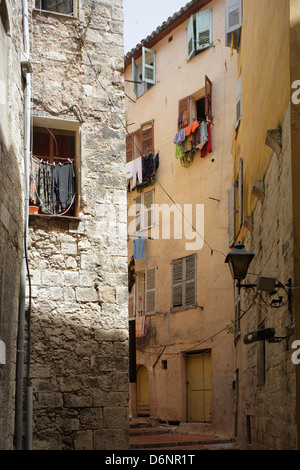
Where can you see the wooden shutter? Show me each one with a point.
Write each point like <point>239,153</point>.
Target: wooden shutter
<point>135,77</point>
<point>233,15</point>
<point>150,291</point>
<point>148,216</point>
<point>147,139</point>
<point>190,281</point>
<point>129,147</point>
<point>184,106</point>
<point>203,29</point>
<point>149,66</point>
<point>238,101</point>
<point>138,221</point>
<point>241,184</point>
<point>177,277</point>
<point>231,214</point>
<point>191,39</point>
<point>208,99</point>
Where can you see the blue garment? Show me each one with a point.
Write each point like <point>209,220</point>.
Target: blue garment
<point>139,248</point>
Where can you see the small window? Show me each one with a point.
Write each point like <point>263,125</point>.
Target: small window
<point>145,293</point>
<point>144,74</point>
<point>191,109</point>
<point>58,6</point>
<point>233,22</point>
<point>53,185</point>
<point>184,286</point>
<point>144,211</point>
<point>199,33</point>
<point>147,138</point>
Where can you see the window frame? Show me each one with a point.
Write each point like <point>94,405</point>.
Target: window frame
<point>142,83</point>
<point>140,216</point>
<point>181,284</point>
<point>74,14</point>
<point>149,292</point>
<point>201,24</point>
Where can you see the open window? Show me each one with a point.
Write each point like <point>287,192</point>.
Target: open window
<point>233,22</point>
<point>54,175</point>
<point>196,107</point>
<point>144,74</point>
<point>199,33</point>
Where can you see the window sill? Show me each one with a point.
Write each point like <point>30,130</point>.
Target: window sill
<point>37,11</point>
<point>54,217</point>
<point>183,309</point>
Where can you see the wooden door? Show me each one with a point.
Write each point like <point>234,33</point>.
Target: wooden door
<point>143,400</point>
<point>199,392</point>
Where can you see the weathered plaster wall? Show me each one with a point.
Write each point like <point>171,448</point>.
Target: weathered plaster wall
<point>80,348</point>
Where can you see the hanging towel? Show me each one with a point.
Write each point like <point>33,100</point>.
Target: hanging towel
<point>140,326</point>
<point>139,247</point>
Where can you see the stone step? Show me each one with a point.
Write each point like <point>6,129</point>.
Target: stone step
<point>172,441</point>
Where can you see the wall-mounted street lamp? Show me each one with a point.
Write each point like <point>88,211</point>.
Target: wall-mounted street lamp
<point>239,261</point>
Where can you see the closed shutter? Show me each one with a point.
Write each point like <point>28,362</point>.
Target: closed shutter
<point>148,217</point>
<point>241,184</point>
<point>184,112</point>
<point>203,29</point>
<point>150,291</point>
<point>231,214</point>
<point>129,147</point>
<point>208,99</point>
<point>233,15</point>
<point>138,214</point>
<point>147,133</point>
<point>149,72</point>
<point>191,39</point>
<point>190,281</point>
<point>177,291</point>
<point>238,101</point>
<point>135,77</point>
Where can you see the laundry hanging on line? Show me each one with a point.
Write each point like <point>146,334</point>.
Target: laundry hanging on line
<point>141,172</point>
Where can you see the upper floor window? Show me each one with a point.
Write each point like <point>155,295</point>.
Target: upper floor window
<point>144,74</point>
<point>199,33</point>
<point>233,22</point>
<point>184,283</point>
<point>58,6</point>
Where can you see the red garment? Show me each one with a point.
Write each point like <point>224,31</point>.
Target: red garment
<point>208,145</point>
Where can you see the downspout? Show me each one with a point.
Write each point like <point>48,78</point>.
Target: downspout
<point>21,323</point>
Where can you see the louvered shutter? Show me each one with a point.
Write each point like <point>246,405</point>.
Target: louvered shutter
<point>150,291</point>
<point>138,214</point>
<point>208,99</point>
<point>184,112</point>
<point>203,29</point>
<point>241,184</point>
<point>191,39</point>
<point>177,277</point>
<point>148,217</point>
<point>238,101</point>
<point>190,281</point>
<point>233,15</point>
<point>231,214</point>
<point>147,133</point>
<point>149,66</point>
<point>129,147</point>
<point>135,77</point>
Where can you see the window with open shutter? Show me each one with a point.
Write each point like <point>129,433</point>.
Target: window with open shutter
<point>184,112</point>
<point>203,29</point>
<point>147,138</point>
<point>191,39</point>
<point>233,22</point>
<point>208,99</point>
<point>149,67</point>
<point>135,77</point>
<point>184,283</point>
<point>150,291</point>
<point>231,214</point>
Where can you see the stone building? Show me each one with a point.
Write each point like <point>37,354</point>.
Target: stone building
<point>76,335</point>
<point>264,216</point>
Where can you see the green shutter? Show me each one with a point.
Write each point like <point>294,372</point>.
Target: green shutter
<point>203,29</point>
<point>135,77</point>
<point>149,74</point>
<point>191,39</point>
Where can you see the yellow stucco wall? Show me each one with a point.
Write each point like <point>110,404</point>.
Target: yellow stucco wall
<point>206,178</point>
<point>265,87</point>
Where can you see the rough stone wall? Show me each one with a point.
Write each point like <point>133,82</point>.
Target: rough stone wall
<point>270,407</point>
<point>79,350</point>
<point>11,209</point>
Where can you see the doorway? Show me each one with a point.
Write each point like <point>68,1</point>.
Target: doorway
<point>199,389</point>
<point>143,399</point>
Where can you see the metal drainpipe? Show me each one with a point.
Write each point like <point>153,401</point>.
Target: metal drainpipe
<point>21,324</point>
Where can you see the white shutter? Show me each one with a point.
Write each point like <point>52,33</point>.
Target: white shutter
<point>233,15</point>
<point>203,29</point>
<point>238,101</point>
<point>177,277</point>
<point>191,38</point>
<point>150,306</point>
<point>148,66</point>
<point>190,281</point>
<point>241,184</point>
<point>231,214</point>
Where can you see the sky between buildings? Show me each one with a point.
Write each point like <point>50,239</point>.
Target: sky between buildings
<point>141,17</point>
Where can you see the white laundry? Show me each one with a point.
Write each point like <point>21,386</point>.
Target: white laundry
<point>134,170</point>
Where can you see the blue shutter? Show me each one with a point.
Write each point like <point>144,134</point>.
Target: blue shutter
<point>135,77</point>
<point>203,29</point>
<point>149,73</point>
<point>191,39</point>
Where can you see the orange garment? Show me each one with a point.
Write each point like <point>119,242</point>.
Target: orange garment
<point>194,126</point>
<point>188,130</point>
